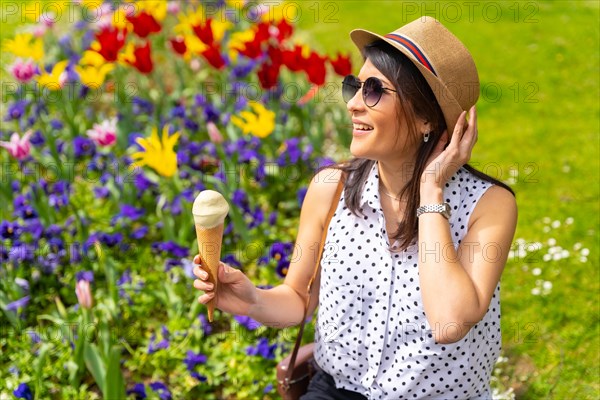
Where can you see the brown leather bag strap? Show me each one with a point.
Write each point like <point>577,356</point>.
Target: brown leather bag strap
<point>334,203</point>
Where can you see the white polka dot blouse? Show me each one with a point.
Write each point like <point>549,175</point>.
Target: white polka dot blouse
<point>372,335</point>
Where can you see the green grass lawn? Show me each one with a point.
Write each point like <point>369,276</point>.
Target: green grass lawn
<point>539,128</point>
<point>539,117</point>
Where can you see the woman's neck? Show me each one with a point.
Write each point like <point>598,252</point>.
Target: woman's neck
<point>393,177</point>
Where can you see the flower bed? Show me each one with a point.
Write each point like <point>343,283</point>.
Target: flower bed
<point>116,117</point>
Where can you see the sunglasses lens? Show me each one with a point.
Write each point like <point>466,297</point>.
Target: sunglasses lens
<point>350,86</point>
<point>372,91</point>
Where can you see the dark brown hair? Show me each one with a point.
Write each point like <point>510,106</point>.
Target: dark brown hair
<point>417,101</point>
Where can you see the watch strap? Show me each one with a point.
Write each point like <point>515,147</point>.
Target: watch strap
<point>443,208</point>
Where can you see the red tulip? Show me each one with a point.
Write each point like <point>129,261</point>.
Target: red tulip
<point>178,45</point>
<point>213,56</point>
<point>293,59</point>
<point>341,65</point>
<point>144,24</point>
<point>254,48</point>
<point>262,32</point>
<point>204,32</point>
<point>143,61</point>
<point>285,30</point>
<point>315,69</point>
<point>269,70</point>
<point>268,74</point>
<point>111,41</point>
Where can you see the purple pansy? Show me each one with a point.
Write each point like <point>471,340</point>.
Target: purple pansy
<point>172,248</point>
<point>101,192</point>
<point>231,260</point>
<point>37,139</point>
<point>23,392</point>
<point>23,209</point>
<point>247,322</point>
<point>139,390</point>
<point>110,239</point>
<point>263,349</point>
<point>83,147</point>
<point>161,389</point>
<point>153,347</point>
<point>206,326</point>
<point>178,111</point>
<point>192,359</point>
<point>9,230</point>
<point>139,233</point>
<point>84,276</point>
<point>142,106</point>
<point>18,304</point>
<point>129,212</point>
<point>16,110</point>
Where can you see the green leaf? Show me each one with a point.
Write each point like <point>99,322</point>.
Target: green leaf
<point>115,387</point>
<point>60,307</point>
<point>95,365</point>
<point>38,366</point>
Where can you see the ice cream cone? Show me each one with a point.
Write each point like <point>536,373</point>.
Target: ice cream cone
<point>209,247</point>
<point>210,210</point>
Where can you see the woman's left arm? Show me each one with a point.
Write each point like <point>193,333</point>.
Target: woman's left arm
<point>457,285</point>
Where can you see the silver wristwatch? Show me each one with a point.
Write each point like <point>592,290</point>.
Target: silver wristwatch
<point>443,209</point>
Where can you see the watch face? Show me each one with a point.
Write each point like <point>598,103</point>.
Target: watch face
<point>447,210</point>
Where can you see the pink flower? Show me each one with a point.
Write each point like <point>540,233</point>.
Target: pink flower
<point>173,7</point>
<point>84,294</point>
<point>18,147</point>
<point>104,134</point>
<point>23,70</point>
<point>213,133</point>
<point>39,30</point>
<point>48,19</point>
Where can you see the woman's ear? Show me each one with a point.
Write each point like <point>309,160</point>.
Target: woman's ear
<point>424,126</point>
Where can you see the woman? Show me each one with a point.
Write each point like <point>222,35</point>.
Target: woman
<point>409,284</point>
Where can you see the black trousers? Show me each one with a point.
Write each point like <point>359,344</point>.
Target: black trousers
<point>322,387</point>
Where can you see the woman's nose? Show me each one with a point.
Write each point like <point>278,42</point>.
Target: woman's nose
<point>356,102</point>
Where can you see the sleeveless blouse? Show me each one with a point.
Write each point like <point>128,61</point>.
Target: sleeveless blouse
<point>371,333</point>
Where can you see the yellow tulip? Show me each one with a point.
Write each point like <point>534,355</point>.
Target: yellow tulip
<point>237,42</point>
<point>156,8</point>
<point>91,4</point>
<point>127,56</point>
<point>259,123</point>
<point>158,154</point>
<point>219,27</point>
<point>119,20</point>
<point>194,45</point>
<point>24,45</point>
<point>92,76</point>
<point>187,20</point>
<point>52,80</point>
<point>92,58</point>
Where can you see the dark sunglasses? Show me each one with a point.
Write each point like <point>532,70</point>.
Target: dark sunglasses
<point>372,89</point>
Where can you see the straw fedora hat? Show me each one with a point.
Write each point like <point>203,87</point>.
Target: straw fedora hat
<point>443,60</point>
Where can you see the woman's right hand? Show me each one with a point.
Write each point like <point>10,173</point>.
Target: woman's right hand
<point>236,294</point>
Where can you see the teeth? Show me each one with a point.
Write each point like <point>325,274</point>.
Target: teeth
<point>363,127</point>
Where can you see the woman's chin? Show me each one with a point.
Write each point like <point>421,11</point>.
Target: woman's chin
<point>359,150</point>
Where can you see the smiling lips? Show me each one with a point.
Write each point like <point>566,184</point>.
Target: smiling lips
<point>359,126</point>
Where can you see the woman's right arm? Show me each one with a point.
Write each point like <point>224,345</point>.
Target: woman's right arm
<point>283,305</point>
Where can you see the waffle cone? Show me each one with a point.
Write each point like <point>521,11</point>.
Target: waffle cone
<point>209,246</point>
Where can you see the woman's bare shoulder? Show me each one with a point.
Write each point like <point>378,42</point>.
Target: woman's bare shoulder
<point>497,203</point>
<point>320,193</point>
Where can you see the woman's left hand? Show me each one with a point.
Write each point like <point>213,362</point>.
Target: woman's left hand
<point>443,163</point>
